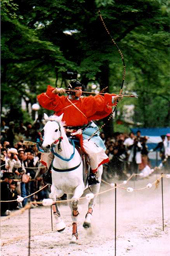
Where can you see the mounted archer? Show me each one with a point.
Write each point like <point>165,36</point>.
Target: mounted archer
<point>78,113</point>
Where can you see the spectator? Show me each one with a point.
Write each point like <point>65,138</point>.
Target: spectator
<point>135,157</point>
<point>167,152</point>
<point>6,144</point>
<point>4,127</point>
<point>4,154</point>
<point>119,159</point>
<point>138,135</point>
<point>12,161</point>
<point>161,147</point>
<point>36,133</point>
<point>5,193</point>
<point>102,135</point>
<point>22,170</point>
<point>30,165</point>
<point>144,153</point>
<point>2,163</point>
<point>13,194</point>
<point>129,141</point>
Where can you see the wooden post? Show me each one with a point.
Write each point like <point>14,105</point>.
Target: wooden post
<point>51,218</point>
<point>115,216</point>
<point>162,190</point>
<point>29,229</point>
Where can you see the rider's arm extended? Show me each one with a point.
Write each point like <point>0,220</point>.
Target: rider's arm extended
<point>50,100</point>
<point>98,107</point>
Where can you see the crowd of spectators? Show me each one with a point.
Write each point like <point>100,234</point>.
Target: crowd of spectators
<point>20,161</point>
<point>129,153</point>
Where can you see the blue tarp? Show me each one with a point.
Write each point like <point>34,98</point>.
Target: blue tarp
<point>152,131</point>
<point>153,134</point>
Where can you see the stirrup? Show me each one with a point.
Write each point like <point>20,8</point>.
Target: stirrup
<point>92,180</point>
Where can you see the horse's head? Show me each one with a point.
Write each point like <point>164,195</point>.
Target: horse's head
<point>52,130</point>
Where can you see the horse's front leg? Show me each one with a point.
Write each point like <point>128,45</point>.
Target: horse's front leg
<point>56,194</point>
<point>73,203</point>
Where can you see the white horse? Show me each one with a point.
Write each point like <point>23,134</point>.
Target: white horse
<point>67,173</point>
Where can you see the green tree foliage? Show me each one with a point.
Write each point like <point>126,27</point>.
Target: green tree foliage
<point>43,39</point>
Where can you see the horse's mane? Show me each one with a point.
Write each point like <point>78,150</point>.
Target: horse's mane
<point>54,118</point>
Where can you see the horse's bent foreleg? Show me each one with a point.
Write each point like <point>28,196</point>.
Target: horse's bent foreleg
<point>60,225</point>
<point>78,192</point>
<point>74,214</point>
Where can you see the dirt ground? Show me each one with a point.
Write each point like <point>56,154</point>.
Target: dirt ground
<point>139,225</point>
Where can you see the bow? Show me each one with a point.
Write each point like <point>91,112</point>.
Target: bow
<point>124,71</point>
<point>102,93</point>
<point>121,55</point>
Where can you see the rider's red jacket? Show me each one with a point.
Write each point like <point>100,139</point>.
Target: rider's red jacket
<point>77,112</point>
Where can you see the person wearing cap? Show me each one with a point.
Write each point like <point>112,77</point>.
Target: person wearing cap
<point>167,152</point>
<point>80,112</point>
<point>12,161</point>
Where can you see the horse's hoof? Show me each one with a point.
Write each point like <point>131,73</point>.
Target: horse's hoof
<point>74,239</point>
<point>87,221</point>
<point>86,225</point>
<point>61,226</point>
<point>60,230</point>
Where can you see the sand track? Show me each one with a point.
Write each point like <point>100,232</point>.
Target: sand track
<point>139,226</point>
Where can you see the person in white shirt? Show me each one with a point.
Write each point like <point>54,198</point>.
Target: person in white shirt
<point>128,142</point>
<point>12,161</point>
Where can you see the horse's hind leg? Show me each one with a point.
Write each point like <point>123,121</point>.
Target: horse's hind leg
<point>95,190</point>
<point>87,222</point>
<point>60,225</point>
<point>74,214</point>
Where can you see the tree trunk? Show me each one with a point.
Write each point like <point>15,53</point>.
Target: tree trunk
<point>104,82</point>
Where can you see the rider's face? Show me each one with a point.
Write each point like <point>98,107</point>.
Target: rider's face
<point>78,92</point>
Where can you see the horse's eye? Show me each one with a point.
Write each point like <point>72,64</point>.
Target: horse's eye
<point>56,130</point>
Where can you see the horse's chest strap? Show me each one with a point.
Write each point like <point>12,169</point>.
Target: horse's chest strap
<point>66,170</point>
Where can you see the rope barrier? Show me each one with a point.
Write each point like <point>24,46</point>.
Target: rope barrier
<point>10,201</point>
<point>112,185</point>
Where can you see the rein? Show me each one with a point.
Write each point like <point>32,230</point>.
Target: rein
<point>58,140</point>
<point>62,158</point>
<point>66,170</point>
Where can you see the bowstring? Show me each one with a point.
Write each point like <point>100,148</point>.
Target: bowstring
<point>123,76</point>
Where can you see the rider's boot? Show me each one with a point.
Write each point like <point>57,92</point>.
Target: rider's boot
<point>92,178</point>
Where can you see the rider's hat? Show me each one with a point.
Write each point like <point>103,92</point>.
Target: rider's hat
<point>74,83</point>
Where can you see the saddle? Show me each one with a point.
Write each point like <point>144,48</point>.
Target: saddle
<point>76,137</point>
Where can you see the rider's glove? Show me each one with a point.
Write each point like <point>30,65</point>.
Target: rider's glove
<point>59,91</point>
